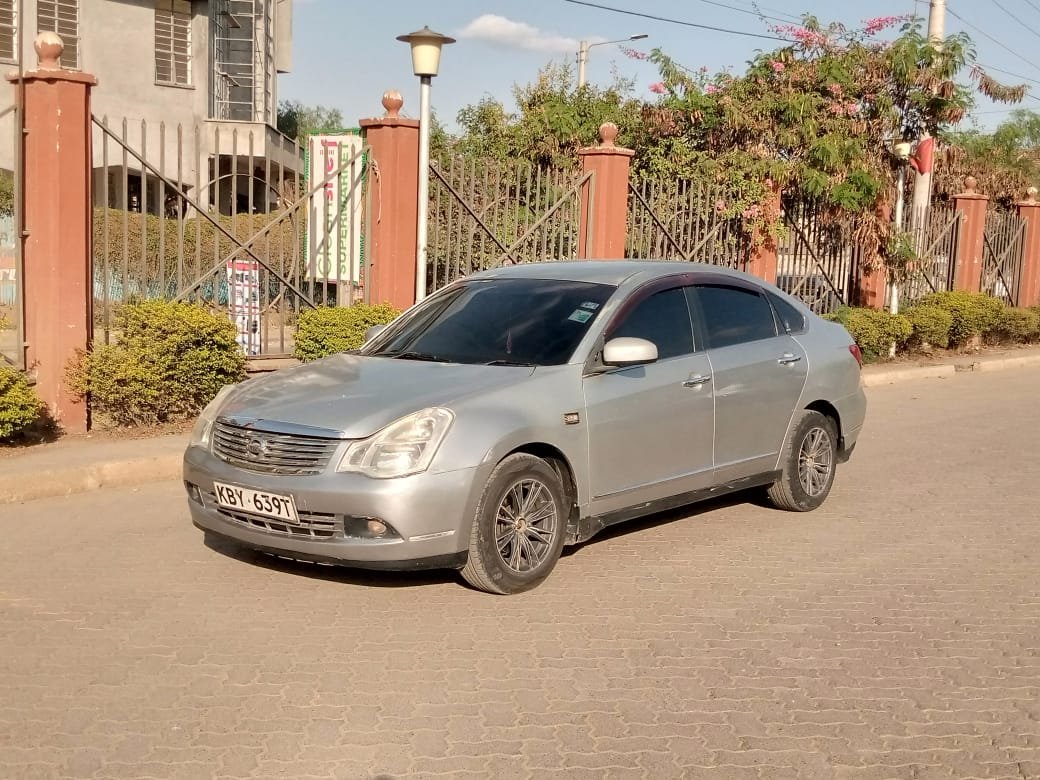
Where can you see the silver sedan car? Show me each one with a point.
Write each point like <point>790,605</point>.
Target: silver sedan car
<point>522,409</point>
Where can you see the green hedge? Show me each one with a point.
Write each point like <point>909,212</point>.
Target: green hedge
<point>1016,326</point>
<point>169,361</point>
<point>20,407</point>
<point>327,330</point>
<point>974,314</point>
<point>931,325</point>
<point>873,330</point>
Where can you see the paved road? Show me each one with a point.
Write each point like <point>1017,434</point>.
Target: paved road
<point>893,634</point>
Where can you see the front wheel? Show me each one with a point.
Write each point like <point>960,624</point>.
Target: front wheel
<point>807,465</point>
<point>519,528</point>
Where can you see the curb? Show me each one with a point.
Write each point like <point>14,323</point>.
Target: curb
<point>55,483</point>
<point>891,377</point>
<point>1002,364</point>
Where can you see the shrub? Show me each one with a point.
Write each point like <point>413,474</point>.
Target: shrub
<point>931,324</point>
<point>974,314</point>
<point>1017,325</point>
<point>327,330</point>
<point>169,361</point>
<point>874,330</point>
<point>20,407</point>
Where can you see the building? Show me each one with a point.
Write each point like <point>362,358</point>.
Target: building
<point>190,86</point>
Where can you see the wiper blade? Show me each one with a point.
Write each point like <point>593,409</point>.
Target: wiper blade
<point>509,363</point>
<point>408,355</point>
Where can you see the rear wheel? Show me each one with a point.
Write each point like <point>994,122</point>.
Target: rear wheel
<point>519,528</point>
<point>807,465</point>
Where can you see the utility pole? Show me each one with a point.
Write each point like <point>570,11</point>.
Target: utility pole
<point>583,59</point>
<point>923,180</point>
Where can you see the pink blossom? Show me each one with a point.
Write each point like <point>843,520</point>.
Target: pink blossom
<point>633,54</point>
<point>776,65</point>
<point>835,89</point>
<point>879,23</point>
<point>851,108</point>
<point>711,89</point>
<point>657,88</point>
<point>808,38</point>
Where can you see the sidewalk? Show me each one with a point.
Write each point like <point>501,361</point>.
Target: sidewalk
<point>78,465</point>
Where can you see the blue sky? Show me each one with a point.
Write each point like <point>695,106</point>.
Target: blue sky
<point>346,54</point>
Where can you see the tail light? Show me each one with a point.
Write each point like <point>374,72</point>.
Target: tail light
<point>856,353</point>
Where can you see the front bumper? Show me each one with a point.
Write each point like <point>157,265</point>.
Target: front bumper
<point>430,514</point>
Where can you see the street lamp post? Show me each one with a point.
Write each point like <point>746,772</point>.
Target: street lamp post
<point>902,153</point>
<point>426,59</point>
<point>583,53</point>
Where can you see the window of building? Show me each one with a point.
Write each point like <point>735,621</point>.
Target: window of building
<point>62,17</point>
<point>173,42</point>
<point>8,30</point>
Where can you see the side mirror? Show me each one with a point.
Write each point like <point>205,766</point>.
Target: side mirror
<point>374,331</point>
<point>626,351</point>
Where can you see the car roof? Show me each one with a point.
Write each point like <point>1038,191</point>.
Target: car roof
<point>612,272</point>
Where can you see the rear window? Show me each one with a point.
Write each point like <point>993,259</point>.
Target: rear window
<point>791,320</point>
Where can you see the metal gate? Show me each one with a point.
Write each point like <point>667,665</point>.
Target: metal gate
<point>487,213</point>
<point>683,220</point>
<point>12,280</point>
<point>936,265</point>
<point>1003,251</point>
<point>218,215</point>
<point>816,261</point>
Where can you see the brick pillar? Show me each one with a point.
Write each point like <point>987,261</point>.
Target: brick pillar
<point>763,259</point>
<point>393,145</point>
<point>603,222</point>
<point>972,207</point>
<point>57,214</point>
<point>1029,289</point>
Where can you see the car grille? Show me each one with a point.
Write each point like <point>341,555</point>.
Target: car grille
<point>312,525</point>
<point>271,453</point>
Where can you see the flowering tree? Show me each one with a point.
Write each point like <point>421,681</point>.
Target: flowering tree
<point>818,116</point>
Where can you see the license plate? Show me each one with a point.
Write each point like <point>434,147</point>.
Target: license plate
<point>256,502</point>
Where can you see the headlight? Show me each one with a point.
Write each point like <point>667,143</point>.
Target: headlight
<point>204,425</point>
<point>402,448</point>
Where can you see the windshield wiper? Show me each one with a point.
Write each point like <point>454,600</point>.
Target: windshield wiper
<point>408,355</point>
<point>509,363</point>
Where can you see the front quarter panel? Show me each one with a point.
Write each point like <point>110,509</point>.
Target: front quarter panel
<point>490,426</point>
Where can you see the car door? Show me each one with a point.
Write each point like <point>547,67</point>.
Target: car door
<point>758,374</point>
<point>651,427</point>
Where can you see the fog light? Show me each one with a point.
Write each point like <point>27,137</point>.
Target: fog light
<point>367,528</point>
<point>193,492</point>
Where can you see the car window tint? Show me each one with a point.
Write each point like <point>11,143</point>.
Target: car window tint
<point>535,321</point>
<point>664,319</point>
<point>734,315</point>
<point>791,319</point>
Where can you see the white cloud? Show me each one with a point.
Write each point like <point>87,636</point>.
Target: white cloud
<point>517,35</point>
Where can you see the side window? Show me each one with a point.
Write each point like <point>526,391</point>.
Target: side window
<point>734,315</point>
<point>664,319</point>
<point>792,320</point>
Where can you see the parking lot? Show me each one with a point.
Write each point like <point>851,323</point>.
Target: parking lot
<point>895,633</point>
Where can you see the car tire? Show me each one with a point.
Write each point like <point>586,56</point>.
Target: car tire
<point>807,464</point>
<point>519,528</point>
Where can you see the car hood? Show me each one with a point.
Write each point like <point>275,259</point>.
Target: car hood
<point>353,396</point>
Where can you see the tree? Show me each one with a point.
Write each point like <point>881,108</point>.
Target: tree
<point>1004,162</point>
<point>298,121</point>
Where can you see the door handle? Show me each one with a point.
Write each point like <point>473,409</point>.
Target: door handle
<point>789,358</point>
<point>696,381</point>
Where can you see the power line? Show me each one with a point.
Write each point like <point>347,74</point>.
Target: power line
<point>756,13</point>
<point>1005,10</point>
<point>678,21</point>
<point>1009,73</point>
<point>990,37</point>
<point>1033,5</point>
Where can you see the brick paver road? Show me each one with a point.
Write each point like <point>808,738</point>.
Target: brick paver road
<point>895,633</point>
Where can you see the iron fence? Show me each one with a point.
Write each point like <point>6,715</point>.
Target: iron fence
<point>1003,253</point>
<point>218,214</point>
<point>12,278</point>
<point>816,260</point>
<point>486,213</point>
<point>683,220</point>
<point>936,236</point>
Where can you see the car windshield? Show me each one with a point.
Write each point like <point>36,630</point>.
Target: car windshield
<point>536,322</point>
